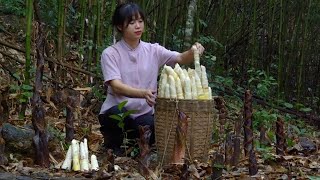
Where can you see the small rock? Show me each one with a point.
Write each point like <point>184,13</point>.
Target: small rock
<point>307,145</point>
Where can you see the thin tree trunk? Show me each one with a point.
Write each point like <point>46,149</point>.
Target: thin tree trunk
<point>29,13</point>
<point>61,29</point>
<point>83,8</point>
<point>165,28</point>
<point>302,54</point>
<point>190,23</point>
<point>61,38</point>
<point>280,52</point>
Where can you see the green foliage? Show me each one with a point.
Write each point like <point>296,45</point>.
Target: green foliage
<point>204,40</point>
<point>121,116</point>
<point>24,92</point>
<point>266,153</point>
<point>49,13</point>
<point>98,92</point>
<point>262,84</point>
<point>16,7</point>
<point>263,118</point>
<point>226,81</point>
<point>299,130</point>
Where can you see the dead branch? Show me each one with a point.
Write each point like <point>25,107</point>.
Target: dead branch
<point>50,60</point>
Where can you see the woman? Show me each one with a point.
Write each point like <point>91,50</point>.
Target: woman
<point>130,69</point>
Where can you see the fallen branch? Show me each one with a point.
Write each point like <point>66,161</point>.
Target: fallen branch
<point>49,59</point>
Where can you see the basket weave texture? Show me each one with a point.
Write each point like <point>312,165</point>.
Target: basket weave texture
<point>200,127</point>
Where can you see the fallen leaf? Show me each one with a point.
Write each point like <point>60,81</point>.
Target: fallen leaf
<point>314,165</point>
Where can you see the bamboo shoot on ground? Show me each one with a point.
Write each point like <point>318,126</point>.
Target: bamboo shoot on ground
<point>94,163</point>
<point>75,155</point>
<point>84,163</point>
<point>68,161</point>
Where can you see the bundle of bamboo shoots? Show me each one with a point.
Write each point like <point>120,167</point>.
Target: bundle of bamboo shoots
<point>77,158</point>
<point>180,83</point>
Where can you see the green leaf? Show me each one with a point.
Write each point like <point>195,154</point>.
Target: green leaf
<point>314,177</point>
<point>121,124</point>
<point>288,105</point>
<point>14,87</point>
<point>116,117</point>
<point>220,166</point>
<point>15,75</point>
<point>128,113</point>
<point>27,94</point>
<point>22,100</point>
<point>305,109</point>
<point>121,105</point>
<point>26,87</point>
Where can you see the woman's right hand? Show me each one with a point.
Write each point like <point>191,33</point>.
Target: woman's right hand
<point>150,96</point>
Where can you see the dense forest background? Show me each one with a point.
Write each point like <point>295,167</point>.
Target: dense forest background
<point>268,46</point>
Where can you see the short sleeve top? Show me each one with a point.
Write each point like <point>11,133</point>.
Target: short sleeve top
<point>137,68</point>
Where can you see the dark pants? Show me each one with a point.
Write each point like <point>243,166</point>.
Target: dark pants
<point>113,135</point>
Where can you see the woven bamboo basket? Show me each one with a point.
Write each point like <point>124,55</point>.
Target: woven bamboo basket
<point>199,133</point>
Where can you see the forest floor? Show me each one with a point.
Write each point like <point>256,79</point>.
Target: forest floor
<point>301,160</point>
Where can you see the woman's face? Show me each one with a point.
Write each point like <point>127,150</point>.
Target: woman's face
<point>134,29</point>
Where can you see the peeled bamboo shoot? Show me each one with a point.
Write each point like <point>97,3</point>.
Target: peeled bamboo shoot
<point>167,91</point>
<point>193,88</point>
<point>198,84</point>
<point>204,78</point>
<point>187,93</point>
<point>68,161</point>
<point>170,71</point>
<point>163,83</point>
<point>179,88</point>
<point>75,155</point>
<point>84,163</point>
<point>210,93</point>
<point>172,85</point>
<point>94,163</point>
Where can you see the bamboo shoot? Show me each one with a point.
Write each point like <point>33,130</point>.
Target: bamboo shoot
<point>94,163</point>
<point>75,155</point>
<point>84,163</point>
<point>68,161</point>
<point>172,85</point>
<point>179,88</point>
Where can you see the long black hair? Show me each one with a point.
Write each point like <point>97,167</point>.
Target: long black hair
<point>124,13</point>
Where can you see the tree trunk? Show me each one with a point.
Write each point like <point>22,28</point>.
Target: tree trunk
<point>302,54</point>
<point>165,28</point>
<point>29,13</point>
<point>190,24</point>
